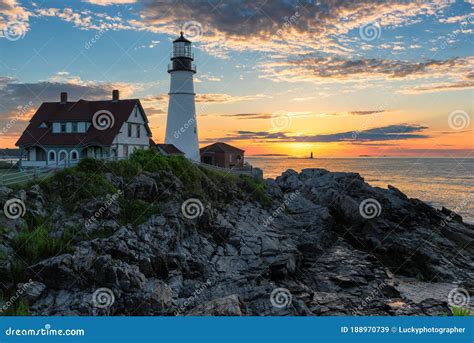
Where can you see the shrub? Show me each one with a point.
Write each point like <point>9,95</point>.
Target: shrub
<point>74,186</point>
<point>91,165</point>
<point>124,168</point>
<point>36,244</point>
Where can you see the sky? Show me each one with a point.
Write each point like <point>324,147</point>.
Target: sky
<point>336,78</point>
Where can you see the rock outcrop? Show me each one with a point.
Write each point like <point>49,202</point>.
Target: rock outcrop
<point>328,244</point>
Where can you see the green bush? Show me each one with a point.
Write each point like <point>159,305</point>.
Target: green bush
<point>36,244</point>
<point>149,160</point>
<point>74,186</point>
<point>124,168</point>
<point>91,165</point>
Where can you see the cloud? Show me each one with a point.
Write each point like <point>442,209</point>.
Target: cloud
<point>439,87</point>
<point>252,116</point>
<point>380,134</point>
<point>13,17</point>
<point>364,113</point>
<point>318,69</point>
<point>227,98</point>
<point>110,2</point>
<point>280,26</point>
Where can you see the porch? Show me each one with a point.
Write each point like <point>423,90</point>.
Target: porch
<point>60,157</point>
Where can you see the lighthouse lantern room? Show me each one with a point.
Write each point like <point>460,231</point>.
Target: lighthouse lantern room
<point>181,125</point>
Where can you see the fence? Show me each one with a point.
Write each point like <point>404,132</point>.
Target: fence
<point>248,171</point>
<point>41,173</point>
<point>12,178</point>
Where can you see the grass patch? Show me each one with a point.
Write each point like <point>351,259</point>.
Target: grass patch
<point>135,211</point>
<point>19,308</point>
<point>256,189</point>
<point>460,311</point>
<point>36,244</point>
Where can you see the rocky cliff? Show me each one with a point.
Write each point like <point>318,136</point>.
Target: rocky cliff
<point>173,239</point>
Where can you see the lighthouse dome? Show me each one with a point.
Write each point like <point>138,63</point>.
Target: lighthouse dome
<point>182,39</point>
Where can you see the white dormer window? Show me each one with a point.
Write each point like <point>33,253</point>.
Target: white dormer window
<point>43,125</point>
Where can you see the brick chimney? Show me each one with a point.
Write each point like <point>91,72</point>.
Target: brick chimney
<point>63,98</point>
<point>115,95</point>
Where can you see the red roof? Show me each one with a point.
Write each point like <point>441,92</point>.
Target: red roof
<point>81,110</point>
<point>221,147</point>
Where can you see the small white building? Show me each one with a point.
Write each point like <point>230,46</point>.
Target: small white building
<point>61,133</point>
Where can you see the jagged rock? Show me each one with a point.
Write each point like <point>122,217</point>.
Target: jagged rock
<point>142,187</point>
<point>227,306</point>
<point>312,240</point>
<point>33,290</point>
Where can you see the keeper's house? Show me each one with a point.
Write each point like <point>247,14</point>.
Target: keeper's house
<point>61,133</point>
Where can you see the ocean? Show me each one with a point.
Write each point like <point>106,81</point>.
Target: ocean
<point>447,182</point>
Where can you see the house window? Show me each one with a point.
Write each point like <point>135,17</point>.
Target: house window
<point>125,150</point>
<point>136,112</point>
<point>52,156</point>
<point>129,130</point>
<point>73,155</point>
<point>63,127</point>
<point>74,127</point>
<point>43,125</point>
<point>138,131</point>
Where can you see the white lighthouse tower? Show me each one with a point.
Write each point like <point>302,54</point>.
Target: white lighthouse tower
<point>181,124</point>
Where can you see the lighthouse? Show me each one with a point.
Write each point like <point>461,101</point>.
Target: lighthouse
<point>181,124</point>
